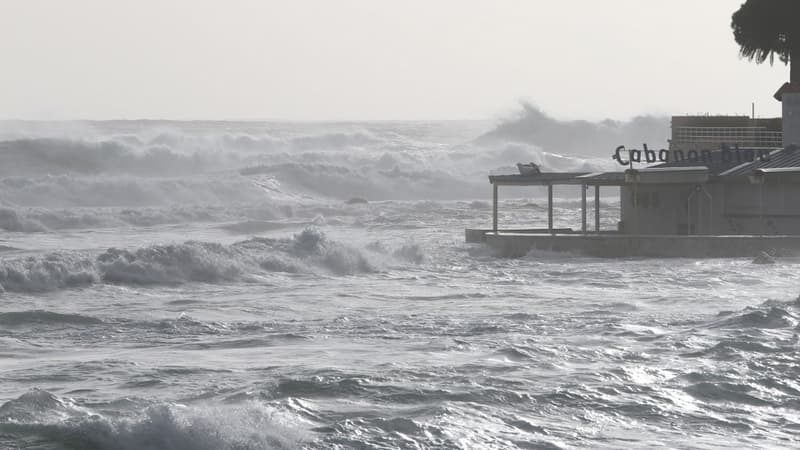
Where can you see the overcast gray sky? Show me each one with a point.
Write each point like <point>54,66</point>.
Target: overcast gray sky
<point>374,59</point>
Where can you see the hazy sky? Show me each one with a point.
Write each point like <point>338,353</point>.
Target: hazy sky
<point>374,59</point>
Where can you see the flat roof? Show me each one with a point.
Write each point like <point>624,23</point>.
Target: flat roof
<point>782,165</point>
<point>665,175</point>
<point>603,178</point>
<point>539,179</point>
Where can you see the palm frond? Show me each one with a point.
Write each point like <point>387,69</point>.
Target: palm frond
<point>766,28</point>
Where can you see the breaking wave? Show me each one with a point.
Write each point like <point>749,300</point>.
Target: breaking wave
<point>578,137</point>
<point>171,153</point>
<point>396,184</point>
<point>104,191</point>
<point>45,419</point>
<point>158,163</point>
<point>42,156</point>
<point>33,220</point>
<point>309,252</point>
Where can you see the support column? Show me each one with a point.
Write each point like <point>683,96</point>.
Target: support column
<point>494,208</point>
<point>597,208</point>
<point>550,208</point>
<point>761,208</point>
<point>636,205</point>
<point>583,208</point>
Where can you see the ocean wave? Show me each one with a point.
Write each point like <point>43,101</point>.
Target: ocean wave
<point>371,183</point>
<point>67,191</point>
<point>771,317</point>
<point>136,167</point>
<point>410,251</point>
<point>42,156</point>
<point>159,152</point>
<point>249,218</point>
<point>47,273</point>
<point>42,417</point>
<point>578,137</point>
<point>10,220</point>
<point>43,317</point>
<point>309,252</point>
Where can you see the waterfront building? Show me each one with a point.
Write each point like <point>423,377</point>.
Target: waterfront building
<point>725,186</point>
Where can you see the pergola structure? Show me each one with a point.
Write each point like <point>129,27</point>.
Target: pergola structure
<point>681,184</point>
<point>550,179</point>
<point>693,175</point>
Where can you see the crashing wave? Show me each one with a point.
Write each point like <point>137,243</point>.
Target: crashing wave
<point>66,191</point>
<point>309,252</point>
<point>48,419</point>
<point>146,163</point>
<point>577,137</point>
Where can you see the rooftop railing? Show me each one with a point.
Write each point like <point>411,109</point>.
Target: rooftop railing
<point>743,136</point>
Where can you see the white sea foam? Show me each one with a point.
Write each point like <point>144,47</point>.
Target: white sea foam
<point>416,340</point>
<point>85,191</point>
<point>59,421</point>
<point>146,164</point>
<point>578,137</point>
<point>308,252</point>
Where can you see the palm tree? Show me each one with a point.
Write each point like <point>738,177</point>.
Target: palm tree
<point>765,28</point>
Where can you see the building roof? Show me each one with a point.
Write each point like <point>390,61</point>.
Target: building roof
<point>778,159</point>
<point>542,179</point>
<point>743,163</point>
<point>787,88</point>
<point>780,165</point>
<point>603,178</point>
<point>716,162</point>
<point>665,175</point>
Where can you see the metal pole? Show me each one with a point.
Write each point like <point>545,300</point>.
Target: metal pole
<point>689,213</point>
<point>597,208</point>
<point>761,207</point>
<point>494,208</point>
<point>583,208</point>
<point>550,208</point>
<point>636,204</point>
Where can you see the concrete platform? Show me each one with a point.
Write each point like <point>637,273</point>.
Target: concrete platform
<point>517,244</point>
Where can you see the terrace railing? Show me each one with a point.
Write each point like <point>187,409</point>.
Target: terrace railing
<point>743,136</point>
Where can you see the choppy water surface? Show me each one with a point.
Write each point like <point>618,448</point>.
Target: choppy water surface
<point>268,313</point>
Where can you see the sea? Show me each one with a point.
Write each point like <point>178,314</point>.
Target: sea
<point>281,285</point>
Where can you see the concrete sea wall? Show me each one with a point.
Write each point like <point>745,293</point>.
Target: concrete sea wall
<point>618,245</point>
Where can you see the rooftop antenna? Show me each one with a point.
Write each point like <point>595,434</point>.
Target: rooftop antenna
<point>753,107</point>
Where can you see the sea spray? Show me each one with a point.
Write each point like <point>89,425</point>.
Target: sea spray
<point>47,272</point>
<point>308,252</point>
<point>531,125</point>
<point>62,422</point>
<point>252,216</point>
<point>148,164</point>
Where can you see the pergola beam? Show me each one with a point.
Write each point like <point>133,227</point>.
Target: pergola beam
<point>597,208</point>
<point>583,208</point>
<point>515,181</point>
<point>550,208</point>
